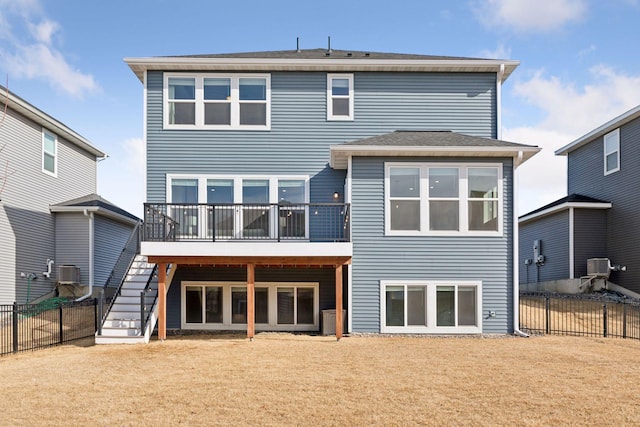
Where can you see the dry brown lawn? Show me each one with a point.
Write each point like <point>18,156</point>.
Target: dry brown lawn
<point>284,379</point>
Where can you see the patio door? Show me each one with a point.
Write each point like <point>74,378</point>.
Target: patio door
<point>222,215</point>
<point>256,211</point>
<point>184,199</point>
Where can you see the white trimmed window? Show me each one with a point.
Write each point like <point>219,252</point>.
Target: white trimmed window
<point>431,307</point>
<point>612,152</point>
<point>443,199</point>
<point>243,206</point>
<point>49,153</point>
<point>339,96</point>
<point>223,306</point>
<point>217,101</point>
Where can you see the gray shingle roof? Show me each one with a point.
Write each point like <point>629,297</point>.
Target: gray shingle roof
<point>321,53</point>
<point>94,200</point>
<point>406,138</point>
<point>429,144</point>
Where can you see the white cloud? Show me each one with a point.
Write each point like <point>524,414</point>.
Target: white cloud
<point>135,155</point>
<point>569,112</point>
<point>501,52</point>
<point>27,49</point>
<point>43,31</point>
<point>529,15</point>
<point>576,111</point>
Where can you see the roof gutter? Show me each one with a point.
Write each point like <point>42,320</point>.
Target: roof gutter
<point>38,116</point>
<point>140,65</point>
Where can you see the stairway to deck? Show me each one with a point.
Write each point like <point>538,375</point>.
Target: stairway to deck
<point>122,323</point>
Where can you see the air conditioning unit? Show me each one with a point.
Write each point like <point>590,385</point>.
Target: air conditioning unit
<point>68,274</point>
<point>598,267</point>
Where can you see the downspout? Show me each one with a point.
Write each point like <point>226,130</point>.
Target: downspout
<point>347,197</point>
<point>499,76</point>
<point>516,242</point>
<point>91,238</point>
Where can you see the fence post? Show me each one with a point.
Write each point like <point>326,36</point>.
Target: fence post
<point>604,315</point>
<point>60,330</point>
<point>547,307</point>
<point>142,313</point>
<point>624,320</point>
<point>95,314</point>
<point>100,314</point>
<point>15,327</point>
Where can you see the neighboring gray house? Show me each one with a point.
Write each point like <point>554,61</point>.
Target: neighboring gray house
<point>600,217</point>
<point>47,206</point>
<point>284,184</point>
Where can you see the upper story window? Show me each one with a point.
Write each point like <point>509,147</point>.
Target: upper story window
<point>340,97</point>
<point>49,153</point>
<point>443,198</point>
<point>217,101</point>
<point>612,152</point>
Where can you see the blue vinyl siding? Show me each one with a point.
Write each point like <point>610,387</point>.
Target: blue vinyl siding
<point>586,177</point>
<point>300,135</point>
<point>378,257</point>
<point>553,232</point>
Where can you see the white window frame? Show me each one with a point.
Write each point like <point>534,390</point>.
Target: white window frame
<point>463,200</point>
<point>272,325</point>
<point>237,197</point>
<point>431,288</point>
<point>200,101</point>
<point>46,133</point>
<point>330,97</point>
<point>614,137</point>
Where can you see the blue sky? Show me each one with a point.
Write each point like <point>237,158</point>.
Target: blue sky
<point>579,66</point>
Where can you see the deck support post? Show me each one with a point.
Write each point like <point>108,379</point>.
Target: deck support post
<point>339,321</point>
<point>162,301</point>
<point>251,300</point>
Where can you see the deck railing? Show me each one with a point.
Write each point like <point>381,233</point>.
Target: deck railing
<point>314,222</point>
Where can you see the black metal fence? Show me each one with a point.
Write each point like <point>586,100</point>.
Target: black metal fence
<point>52,322</point>
<point>595,315</point>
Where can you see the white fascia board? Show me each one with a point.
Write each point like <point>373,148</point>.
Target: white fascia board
<point>247,248</point>
<point>564,206</point>
<point>95,209</point>
<point>632,114</point>
<point>340,153</point>
<point>139,65</point>
<point>48,122</point>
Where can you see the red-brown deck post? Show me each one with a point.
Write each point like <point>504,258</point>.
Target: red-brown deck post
<point>339,320</point>
<point>251,298</point>
<point>162,301</point>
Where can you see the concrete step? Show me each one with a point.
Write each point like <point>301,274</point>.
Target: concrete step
<point>122,323</point>
<point>120,332</point>
<point>120,340</point>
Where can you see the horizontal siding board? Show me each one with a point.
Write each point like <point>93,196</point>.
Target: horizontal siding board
<point>590,237</point>
<point>72,243</point>
<point>378,257</point>
<point>26,224</point>
<point>110,237</point>
<point>553,231</point>
<point>300,135</point>
<point>586,177</point>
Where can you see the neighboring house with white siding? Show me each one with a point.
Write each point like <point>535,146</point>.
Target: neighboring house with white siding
<point>49,214</point>
<point>283,184</point>
<point>599,218</point>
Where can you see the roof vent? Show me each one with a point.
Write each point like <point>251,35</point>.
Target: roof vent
<point>367,54</point>
<point>329,51</point>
